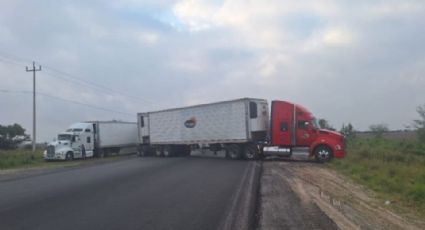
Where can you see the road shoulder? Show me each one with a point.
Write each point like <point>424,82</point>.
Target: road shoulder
<point>346,204</point>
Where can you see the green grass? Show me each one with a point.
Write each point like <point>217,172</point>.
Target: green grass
<point>18,158</point>
<point>394,169</point>
<point>22,158</point>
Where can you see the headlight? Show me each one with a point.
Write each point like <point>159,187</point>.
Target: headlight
<point>338,147</point>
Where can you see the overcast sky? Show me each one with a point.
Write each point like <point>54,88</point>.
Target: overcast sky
<point>347,61</point>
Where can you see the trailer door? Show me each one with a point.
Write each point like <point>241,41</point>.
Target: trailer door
<point>143,123</point>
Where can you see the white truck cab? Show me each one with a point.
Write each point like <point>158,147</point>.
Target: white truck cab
<point>93,138</point>
<point>75,142</point>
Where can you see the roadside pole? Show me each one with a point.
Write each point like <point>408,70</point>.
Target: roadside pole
<point>33,70</point>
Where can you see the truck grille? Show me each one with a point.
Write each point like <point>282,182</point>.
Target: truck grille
<point>50,151</point>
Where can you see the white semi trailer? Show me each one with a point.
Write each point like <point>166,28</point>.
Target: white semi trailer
<point>229,125</point>
<point>92,139</point>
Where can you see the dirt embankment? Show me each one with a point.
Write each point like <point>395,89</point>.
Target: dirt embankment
<point>300,195</point>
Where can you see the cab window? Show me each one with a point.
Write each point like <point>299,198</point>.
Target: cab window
<point>303,125</point>
<point>283,126</point>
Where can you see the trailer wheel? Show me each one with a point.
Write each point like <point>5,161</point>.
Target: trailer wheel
<point>158,152</point>
<point>323,153</point>
<point>250,152</point>
<point>234,151</point>
<point>142,151</point>
<point>187,150</point>
<point>167,152</point>
<point>226,153</point>
<point>102,153</point>
<point>69,156</point>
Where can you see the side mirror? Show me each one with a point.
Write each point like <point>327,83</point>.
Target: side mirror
<point>73,139</point>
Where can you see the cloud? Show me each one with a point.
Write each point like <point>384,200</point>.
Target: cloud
<point>396,8</point>
<point>347,61</point>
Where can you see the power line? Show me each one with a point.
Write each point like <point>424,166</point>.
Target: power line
<point>98,86</point>
<point>15,60</point>
<point>67,100</point>
<point>104,90</point>
<point>8,61</point>
<point>14,57</point>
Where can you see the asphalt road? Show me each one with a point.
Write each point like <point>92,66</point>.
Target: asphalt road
<point>135,193</point>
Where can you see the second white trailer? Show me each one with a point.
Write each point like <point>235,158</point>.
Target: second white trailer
<point>219,125</point>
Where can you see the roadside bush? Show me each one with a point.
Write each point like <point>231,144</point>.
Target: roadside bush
<point>395,169</point>
<point>419,124</point>
<point>417,193</point>
<point>379,129</point>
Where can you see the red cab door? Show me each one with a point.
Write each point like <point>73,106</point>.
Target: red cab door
<point>281,127</point>
<point>305,134</point>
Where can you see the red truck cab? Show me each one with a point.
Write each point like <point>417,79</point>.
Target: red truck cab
<point>293,126</point>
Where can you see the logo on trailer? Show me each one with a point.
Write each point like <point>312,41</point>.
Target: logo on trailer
<point>190,123</point>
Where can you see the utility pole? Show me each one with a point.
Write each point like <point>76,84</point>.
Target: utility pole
<point>33,70</point>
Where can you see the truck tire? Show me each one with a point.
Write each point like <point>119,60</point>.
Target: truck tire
<point>323,153</point>
<point>102,153</point>
<point>168,151</point>
<point>234,151</point>
<point>69,156</point>
<point>158,152</point>
<point>142,151</point>
<point>187,150</point>
<point>83,152</point>
<point>250,152</point>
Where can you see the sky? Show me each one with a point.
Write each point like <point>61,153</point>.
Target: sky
<point>361,62</point>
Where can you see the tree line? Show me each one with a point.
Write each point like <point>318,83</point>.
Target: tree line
<point>11,136</point>
<point>379,129</point>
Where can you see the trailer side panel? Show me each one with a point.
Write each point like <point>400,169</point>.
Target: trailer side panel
<point>116,134</point>
<point>224,122</point>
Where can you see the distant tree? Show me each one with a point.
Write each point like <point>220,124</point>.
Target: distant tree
<point>12,130</point>
<point>348,130</point>
<point>379,129</point>
<point>11,136</point>
<point>419,124</point>
<point>324,124</point>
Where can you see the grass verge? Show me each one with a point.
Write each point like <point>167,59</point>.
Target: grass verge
<point>18,158</point>
<point>394,169</point>
<point>23,158</point>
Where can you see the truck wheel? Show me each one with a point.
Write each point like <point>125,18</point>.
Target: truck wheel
<point>83,152</point>
<point>168,152</point>
<point>158,152</point>
<point>250,152</point>
<point>102,153</point>
<point>69,156</point>
<point>234,151</point>
<point>323,153</point>
<point>226,153</point>
<point>187,151</point>
<point>142,151</point>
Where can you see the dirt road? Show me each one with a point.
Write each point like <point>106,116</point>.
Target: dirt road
<point>303,195</point>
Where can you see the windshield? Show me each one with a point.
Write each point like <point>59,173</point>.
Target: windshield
<point>64,137</point>
<point>74,130</point>
<point>315,123</point>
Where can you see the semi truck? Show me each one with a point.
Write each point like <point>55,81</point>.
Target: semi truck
<point>92,139</point>
<point>242,128</point>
